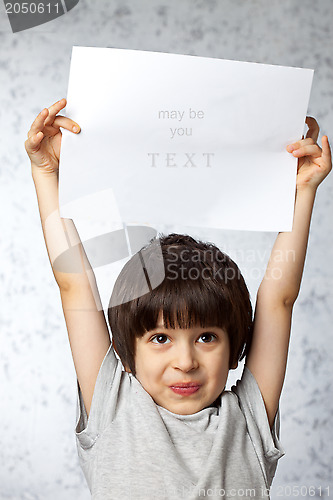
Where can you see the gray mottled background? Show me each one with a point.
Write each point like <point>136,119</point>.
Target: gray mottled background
<point>37,379</point>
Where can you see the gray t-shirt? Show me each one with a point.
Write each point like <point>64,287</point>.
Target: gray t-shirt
<point>132,448</point>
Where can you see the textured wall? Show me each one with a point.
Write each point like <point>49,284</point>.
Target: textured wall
<point>37,380</point>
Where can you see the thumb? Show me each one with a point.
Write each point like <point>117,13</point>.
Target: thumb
<point>326,154</point>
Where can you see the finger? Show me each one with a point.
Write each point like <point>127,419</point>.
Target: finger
<point>67,123</point>
<point>54,110</point>
<point>299,144</point>
<point>38,124</point>
<point>311,150</point>
<point>33,142</point>
<point>313,131</point>
<point>327,155</point>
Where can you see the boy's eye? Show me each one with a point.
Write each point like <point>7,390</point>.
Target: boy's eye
<point>208,337</point>
<point>205,338</point>
<point>160,339</point>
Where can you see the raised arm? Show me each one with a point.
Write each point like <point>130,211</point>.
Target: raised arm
<point>280,286</point>
<point>87,330</point>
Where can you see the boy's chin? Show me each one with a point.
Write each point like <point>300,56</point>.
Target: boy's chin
<point>186,408</point>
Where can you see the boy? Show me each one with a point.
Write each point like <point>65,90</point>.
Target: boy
<point>165,427</point>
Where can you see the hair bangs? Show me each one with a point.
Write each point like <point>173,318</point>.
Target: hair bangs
<point>183,304</point>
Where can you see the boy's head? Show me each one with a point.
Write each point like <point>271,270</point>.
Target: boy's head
<point>192,327</point>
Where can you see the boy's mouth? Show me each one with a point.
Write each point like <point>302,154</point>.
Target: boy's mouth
<point>185,389</point>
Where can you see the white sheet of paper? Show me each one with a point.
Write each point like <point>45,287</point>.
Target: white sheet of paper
<point>183,140</point>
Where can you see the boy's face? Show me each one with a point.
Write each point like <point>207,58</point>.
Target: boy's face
<point>166,359</point>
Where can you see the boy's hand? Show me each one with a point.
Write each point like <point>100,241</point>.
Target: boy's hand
<point>44,138</point>
<point>314,163</point>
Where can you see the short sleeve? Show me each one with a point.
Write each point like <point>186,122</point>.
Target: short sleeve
<point>103,405</point>
<point>266,441</point>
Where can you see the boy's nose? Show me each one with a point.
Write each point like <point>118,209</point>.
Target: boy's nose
<point>185,359</point>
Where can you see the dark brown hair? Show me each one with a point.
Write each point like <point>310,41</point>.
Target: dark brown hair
<point>192,283</point>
